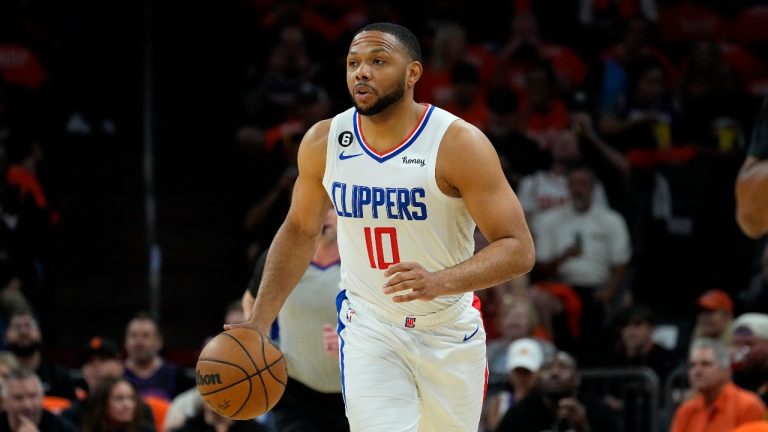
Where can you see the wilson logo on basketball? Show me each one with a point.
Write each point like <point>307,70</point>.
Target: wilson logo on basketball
<point>208,379</point>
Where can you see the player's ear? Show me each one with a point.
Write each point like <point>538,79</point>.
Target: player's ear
<point>414,73</point>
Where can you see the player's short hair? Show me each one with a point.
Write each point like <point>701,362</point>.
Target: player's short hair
<point>406,37</point>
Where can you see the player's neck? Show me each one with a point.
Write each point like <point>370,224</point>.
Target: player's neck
<point>386,130</point>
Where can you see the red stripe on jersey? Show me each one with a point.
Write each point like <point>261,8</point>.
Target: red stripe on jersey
<point>404,142</point>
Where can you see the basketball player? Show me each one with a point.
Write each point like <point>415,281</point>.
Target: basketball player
<point>312,400</point>
<point>752,181</point>
<point>409,182</point>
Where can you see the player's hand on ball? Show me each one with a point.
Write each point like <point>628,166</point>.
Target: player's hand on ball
<point>410,281</point>
<point>251,323</point>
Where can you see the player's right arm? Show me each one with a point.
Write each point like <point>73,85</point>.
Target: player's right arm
<point>294,244</point>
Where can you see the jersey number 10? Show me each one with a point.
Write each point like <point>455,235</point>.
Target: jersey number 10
<point>375,246</point>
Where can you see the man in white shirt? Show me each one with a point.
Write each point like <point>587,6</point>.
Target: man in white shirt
<point>586,246</point>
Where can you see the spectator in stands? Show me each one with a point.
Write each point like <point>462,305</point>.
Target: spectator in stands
<point>605,21</point>
<point>289,66</point>
<point>450,47</point>
<point>548,189</point>
<point>557,405</point>
<point>516,319</point>
<point>35,216</point>
<point>24,339</point>
<point>542,110</point>
<point>621,58</point>
<point>23,406</point>
<point>524,358</point>
<point>519,154</point>
<point>586,246</point>
<point>644,118</point>
<point>715,316</point>
<point>114,405</point>
<point>636,346</point>
<point>465,98</point>
<point>149,373</point>
<point>749,345</point>
<point>713,100</point>
<point>718,405</point>
<point>100,362</point>
<point>525,48</point>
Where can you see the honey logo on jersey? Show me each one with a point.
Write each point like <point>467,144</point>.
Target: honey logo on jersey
<point>420,162</point>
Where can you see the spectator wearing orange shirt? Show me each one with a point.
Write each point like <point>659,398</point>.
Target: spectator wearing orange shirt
<point>719,405</point>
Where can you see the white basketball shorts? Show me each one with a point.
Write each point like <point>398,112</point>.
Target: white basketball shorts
<point>412,374</point>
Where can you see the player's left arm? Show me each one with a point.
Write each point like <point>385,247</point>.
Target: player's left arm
<point>468,167</point>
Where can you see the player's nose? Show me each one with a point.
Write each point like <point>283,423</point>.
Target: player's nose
<point>363,72</point>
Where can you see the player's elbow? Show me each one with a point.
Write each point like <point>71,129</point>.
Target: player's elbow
<point>752,225</point>
<point>525,256</point>
<point>752,205</point>
<point>529,259</point>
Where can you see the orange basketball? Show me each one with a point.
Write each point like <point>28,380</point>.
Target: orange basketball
<point>240,374</point>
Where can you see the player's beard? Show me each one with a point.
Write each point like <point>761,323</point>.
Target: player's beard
<point>382,103</point>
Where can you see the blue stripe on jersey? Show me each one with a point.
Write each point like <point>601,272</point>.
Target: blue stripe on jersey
<point>389,156</point>
<point>340,297</point>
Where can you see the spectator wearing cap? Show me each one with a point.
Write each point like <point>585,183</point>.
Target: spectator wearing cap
<point>749,345</point>
<point>715,316</point>
<point>557,405</point>
<point>718,404</point>
<point>100,360</point>
<point>524,358</point>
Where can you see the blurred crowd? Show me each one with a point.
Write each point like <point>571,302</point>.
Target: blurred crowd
<point>620,124</point>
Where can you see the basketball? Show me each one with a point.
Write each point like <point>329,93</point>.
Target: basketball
<point>240,374</point>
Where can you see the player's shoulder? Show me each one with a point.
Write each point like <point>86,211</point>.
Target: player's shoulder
<point>462,131</point>
<point>315,139</point>
<point>318,132</point>
<point>464,140</point>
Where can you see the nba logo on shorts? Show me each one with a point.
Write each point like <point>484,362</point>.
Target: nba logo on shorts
<point>410,322</point>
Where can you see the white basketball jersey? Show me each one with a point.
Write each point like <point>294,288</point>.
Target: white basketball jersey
<point>391,209</point>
